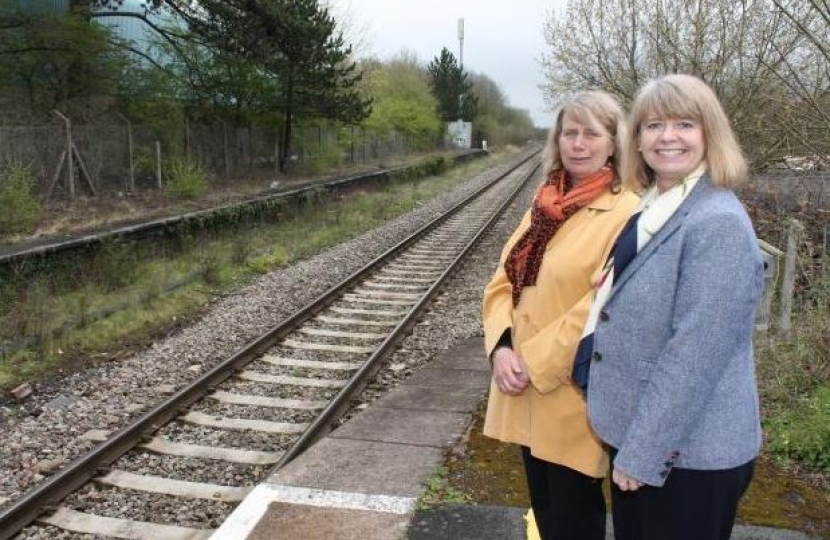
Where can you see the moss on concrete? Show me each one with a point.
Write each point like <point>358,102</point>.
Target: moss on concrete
<point>491,473</point>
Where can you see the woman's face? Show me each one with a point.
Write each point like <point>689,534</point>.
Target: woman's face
<point>584,148</point>
<point>672,147</point>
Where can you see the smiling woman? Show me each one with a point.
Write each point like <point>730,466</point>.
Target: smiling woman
<point>674,396</point>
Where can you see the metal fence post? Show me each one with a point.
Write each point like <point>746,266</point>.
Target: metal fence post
<point>131,185</point>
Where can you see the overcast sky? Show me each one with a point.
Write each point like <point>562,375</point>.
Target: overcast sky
<point>502,39</point>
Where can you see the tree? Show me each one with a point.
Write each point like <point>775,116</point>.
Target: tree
<point>497,122</point>
<point>315,74</point>
<point>806,76</point>
<point>295,42</point>
<point>740,48</point>
<point>403,101</point>
<point>54,60</point>
<point>451,87</point>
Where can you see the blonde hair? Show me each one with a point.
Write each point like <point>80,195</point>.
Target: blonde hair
<point>685,96</point>
<point>588,108</point>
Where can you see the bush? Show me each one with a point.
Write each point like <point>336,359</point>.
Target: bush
<point>21,210</point>
<point>185,179</point>
<point>435,166</point>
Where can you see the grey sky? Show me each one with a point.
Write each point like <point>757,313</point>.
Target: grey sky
<point>502,40</point>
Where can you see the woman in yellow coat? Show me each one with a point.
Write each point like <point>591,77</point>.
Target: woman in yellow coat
<point>535,308</point>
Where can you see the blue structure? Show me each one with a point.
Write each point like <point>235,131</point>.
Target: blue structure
<point>131,29</point>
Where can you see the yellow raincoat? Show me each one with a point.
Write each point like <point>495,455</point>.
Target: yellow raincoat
<point>550,416</point>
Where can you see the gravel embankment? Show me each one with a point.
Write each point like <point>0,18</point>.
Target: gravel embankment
<point>44,433</point>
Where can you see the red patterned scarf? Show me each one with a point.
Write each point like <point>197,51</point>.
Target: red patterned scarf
<point>551,208</point>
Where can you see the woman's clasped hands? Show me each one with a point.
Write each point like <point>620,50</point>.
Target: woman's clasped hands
<point>510,372</point>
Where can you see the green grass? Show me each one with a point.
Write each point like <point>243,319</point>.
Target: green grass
<point>802,434</point>
<point>794,380</point>
<point>439,491</point>
<point>21,208</point>
<point>221,263</point>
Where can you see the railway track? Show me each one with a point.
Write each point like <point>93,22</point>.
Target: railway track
<point>258,409</point>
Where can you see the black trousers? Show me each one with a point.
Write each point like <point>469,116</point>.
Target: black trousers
<point>691,505</point>
<point>567,504</point>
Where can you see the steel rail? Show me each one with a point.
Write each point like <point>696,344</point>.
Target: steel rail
<point>45,496</point>
<point>326,420</point>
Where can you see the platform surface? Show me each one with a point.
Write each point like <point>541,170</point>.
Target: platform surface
<point>363,480</point>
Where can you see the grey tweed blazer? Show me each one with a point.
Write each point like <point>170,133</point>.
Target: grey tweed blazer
<point>672,376</point>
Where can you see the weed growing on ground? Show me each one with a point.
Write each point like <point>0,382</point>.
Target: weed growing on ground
<point>794,379</point>
<point>21,209</point>
<point>439,492</point>
<point>185,179</point>
<point>219,254</point>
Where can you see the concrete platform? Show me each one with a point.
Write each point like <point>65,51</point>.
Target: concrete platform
<point>362,482</point>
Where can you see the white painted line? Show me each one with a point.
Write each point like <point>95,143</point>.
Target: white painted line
<point>246,516</point>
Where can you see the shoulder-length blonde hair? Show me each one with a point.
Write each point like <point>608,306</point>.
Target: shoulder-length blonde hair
<point>684,96</point>
<point>591,108</point>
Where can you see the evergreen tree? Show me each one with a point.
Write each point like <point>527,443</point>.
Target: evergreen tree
<point>296,42</point>
<point>448,81</point>
<point>316,76</point>
<point>51,60</point>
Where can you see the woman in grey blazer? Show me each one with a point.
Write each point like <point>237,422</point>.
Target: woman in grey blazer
<point>672,386</point>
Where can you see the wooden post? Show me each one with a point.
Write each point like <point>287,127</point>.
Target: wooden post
<point>772,261</point>
<point>70,161</point>
<point>72,157</point>
<point>158,164</point>
<point>788,284</point>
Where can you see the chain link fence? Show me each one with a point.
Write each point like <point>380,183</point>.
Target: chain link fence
<point>114,155</point>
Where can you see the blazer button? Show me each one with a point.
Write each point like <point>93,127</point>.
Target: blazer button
<point>603,315</point>
<point>596,356</point>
